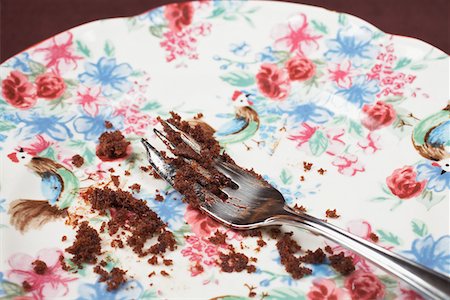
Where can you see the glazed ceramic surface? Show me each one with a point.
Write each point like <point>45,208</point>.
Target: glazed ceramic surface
<point>366,108</point>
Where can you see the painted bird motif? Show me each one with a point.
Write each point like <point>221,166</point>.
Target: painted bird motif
<point>244,124</point>
<point>59,186</point>
<point>431,138</point>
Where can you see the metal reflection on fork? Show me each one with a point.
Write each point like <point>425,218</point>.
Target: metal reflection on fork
<point>252,203</point>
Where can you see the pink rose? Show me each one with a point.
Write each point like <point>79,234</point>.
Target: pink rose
<point>201,224</point>
<point>378,115</point>
<point>300,68</point>
<point>18,91</point>
<point>179,15</point>
<point>50,86</point>
<point>273,82</point>
<point>323,289</point>
<point>364,286</point>
<point>403,184</point>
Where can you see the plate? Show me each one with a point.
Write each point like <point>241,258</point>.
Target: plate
<point>368,110</point>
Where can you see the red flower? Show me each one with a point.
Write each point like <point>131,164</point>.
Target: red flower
<point>300,68</point>
<point>379,115</point>
<point>403,184</point>
<point>364,286</point>
<point>18,91</point>
<point>273,82</point>
<point>201,224</point>
<point>50,86</point>
<point>179,15</point>
<point>324,289</point>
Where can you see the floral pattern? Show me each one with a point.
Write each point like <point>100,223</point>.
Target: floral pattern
<point>323,88</point>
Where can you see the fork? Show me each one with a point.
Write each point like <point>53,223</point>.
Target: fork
<point>253,203</point>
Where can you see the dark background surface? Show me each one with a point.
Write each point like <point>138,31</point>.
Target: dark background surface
<point>24,23</point>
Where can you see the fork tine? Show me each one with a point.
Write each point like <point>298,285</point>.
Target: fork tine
<point>190,141</point>
<point>164,139</point>
<point>157,161</point>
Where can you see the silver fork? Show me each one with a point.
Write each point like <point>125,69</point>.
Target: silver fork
<point>252,203</point>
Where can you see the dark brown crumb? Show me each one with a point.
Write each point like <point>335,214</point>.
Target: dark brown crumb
<point>102,227</point>
<point>261,243</point>
<point>39,267</point>
<point>64,238</point>
<point>274,233</point>
<point>302,178</point>
<point>300,208</point>
<point>27,287</point>
<point>153,260</point>
<point>235,262</point>
<point>316,257</point>
<point>167,262</point>
<point>374,237</point>
<point>135,187</point>
<point>108,125</point>
<point>321,171</point>
<point>287,247</point>
<point>331,213</point>
<point>117,243</point>
<point>113,279</point>
<point>132,215</point>
<point>77,160</point>
<point>159,197</point>
<point>198,116</point>
<point>112,145</point>
<point>155,174</point>
<point>164,273</point>
<point>151,274</point>
<point>63,264</point>
<point>86,246</point>
<point>307,166</point>
<point>115,180</point>
<point>252,233</point>
<point>144,168</point>
<point>103,263</point>
<point>342,264</point>
<point>127,173</point>
<point>328,249</point>
<point>111,170</point>
<point>218,238</point>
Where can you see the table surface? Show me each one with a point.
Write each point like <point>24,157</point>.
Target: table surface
<point>24,23</point>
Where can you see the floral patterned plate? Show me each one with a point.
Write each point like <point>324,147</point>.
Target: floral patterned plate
<point>284,86</point>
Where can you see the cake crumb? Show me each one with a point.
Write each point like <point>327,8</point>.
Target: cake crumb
<point>235,262</point>
<point>117,243</point>
<point>159,197</point>
<point>300,208</point>
<point>331,213</point>
<point>261,243</point>
<point>77,160</point>
<point>39,267</point>
<point>321,171</point>
<point>108,125</point>
<point>302,178</point>
<point>328,249</point>
<point>153,260</point>
<point>135,187</point>
<point>313,257</point>
<point>115,180</point>
<point>27,287</point>
<point>307,166</point>
<point>111,170</point>
<point>151,274</point>
<point>86,247</point>
<point>126,173</point>
<point>167,262</point>
<point>112,145</point>
<point>218,238</point>
<point>164,273</point>
<point>113,279</point>
<point>342,264</point>
<point>374,237</point>
<point>274,233</point>
<point>64,238</point>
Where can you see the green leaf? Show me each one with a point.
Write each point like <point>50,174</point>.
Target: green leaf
<point>48,153</point>
<point>109,48</point>
<point>180,233</point>
<point>388,281</point>
<point>342,19</point>
<point>156,30</point>
<point>5,126</point>
<point>285,294</point>
<point>377,34</point>
<point>402,62</point>
<point>339,119</point>
<point>379,199</point>
<point>151,106</point>
<point>418,67</point>
<point>81,47</point>
<point>12,289</point>
<point>230,17</point>
<point>419,227</point>
<point>318,143</point>
<point>286,177</point>
<point>429,199</point>
<point>148,295</point>
<point>70,82</point>
<point>319,26</point>
<point>252,10</point>
<point>88,155</point>
<point>36,68</point>
<point>241,79</point>
<point>76,144</point>
<point>217,12</point>
<point>355,128</point>
<point>389,237</point>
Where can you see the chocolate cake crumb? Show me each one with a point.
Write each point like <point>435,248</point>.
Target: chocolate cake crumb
<point>219,238</point>
<point>198,116</point>
<point>39,267</point>
<point>287,247</point>
<point>151,274</point>
<point>135,187</point>
<point>167,262</point>
<point>108,125</point>
<point>103,263</point>
<point>332,214</point>
<point>342,264</point>
<point>27,287</point>
<point>86,246</point>
<point>111,170</point>
<point>300,208</point>
<point>261,243</point>
<point>102,227</point>
<point>115,180</point>
<point>64,238</point>
<point>274,233</point>
<point>316,257</point>
<point>126,173</point>
<point>374,237</point>
<point>112,145</point>
<point>77,160</point>
<point>63,264</point>
<point>113,279</point>
<point>307,166</point>
<point>164,273</point>
<point>155,174</point>
<point>321,171</point>
<point>145,169</point>
<point>328,249</point>
<point>252,233</point>
<point>117,243</point>
<point>235,262</point>
<point>302,178</point>
<point>159,197</point>
<point>153,260</point>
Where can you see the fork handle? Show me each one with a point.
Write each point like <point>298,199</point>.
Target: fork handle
<point>426,281</point>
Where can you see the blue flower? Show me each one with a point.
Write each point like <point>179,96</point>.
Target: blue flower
<point>240,49</point>
<point>436,181</point>
<point>92,126</point>
<point>289,193</point>
<point>171,210</point>
<point>353,44</point>
<point>361,92</point>
<point>431,253</point>
<point>265,282</point>
<point>20,62</point>
<point>112,77</point>
<point>266,131</point>
<point>129,290</point>
<point>308,112</point>
<point>322,270</point>
<point>53,126</point>
<point>155,16</point>
<point>267,55</point>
